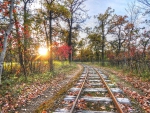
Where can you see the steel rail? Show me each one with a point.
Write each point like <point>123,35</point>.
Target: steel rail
<point>111,94</point>
<point>74,103</point>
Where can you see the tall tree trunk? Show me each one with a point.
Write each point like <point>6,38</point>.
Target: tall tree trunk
<point>50,39</point>
<point>47,40</point>
<point>70,37</point>
<point>103,43</point>
<point>25,40</point>
<point>7,32</point>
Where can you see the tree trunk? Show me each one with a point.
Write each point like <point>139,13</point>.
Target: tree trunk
<point>25,41</point>
<point>50,39</point>
<point>119,42</point>
<point>2,55</point>
<point>103,43</point>
<point>47,40</point>
<point>70,38</point>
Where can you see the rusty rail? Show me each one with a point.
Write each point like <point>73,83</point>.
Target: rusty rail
<point>74,103</point>
<point>111,94</point>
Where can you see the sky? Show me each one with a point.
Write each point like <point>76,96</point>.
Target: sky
<point>96,7</point>
<point>99,6</point>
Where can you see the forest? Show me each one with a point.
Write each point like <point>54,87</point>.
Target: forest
<point>37,40</point>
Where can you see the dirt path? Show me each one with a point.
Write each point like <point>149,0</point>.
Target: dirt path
<point>56,85</point>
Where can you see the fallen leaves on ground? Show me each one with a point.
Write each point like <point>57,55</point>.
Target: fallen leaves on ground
<point>142,98</point>
<point>144,101</point>
<point>81,104</point>
<point>28,92</point>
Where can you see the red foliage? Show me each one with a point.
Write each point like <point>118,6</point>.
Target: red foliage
<point>1,39</point>
<point>110,56</point>
<point>61,51</point>
<point>4,8</point>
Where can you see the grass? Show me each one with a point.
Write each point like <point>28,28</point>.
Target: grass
<point>145,76</point>
<point>12,81</point>
<point>50,104</point>
<point>13,86</point>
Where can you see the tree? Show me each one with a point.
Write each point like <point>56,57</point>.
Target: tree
<point>146,7</point>
<point>133,13</point>
<point>145,42</point>
<point>54,10</point>
<point>95,41</point>
<point>118,31</point>
<point>6,34</point>
<point>81,45</point>
<point>61,51</point>
<point>50,33</point>
<point>26,34</point>
<point>77,16</point>
<point>131,27</point>
<point>145,2</point>
<point>104,27</point>
<point>19,30</point>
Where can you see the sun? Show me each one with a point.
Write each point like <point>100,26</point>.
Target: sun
<point>42,51</point>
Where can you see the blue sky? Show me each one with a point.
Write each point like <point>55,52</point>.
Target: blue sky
<point>96,7</point>
<point>99,6</point>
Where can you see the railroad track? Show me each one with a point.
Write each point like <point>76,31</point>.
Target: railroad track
<point>95,93</point>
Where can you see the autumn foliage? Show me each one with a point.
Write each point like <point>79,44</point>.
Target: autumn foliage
<point>61,51</point>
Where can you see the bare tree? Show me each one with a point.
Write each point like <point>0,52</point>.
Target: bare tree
<point>146,6</point>
<point>133,13</point>
<point>145,2</point>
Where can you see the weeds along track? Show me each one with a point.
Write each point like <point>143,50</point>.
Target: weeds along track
<point>95,93</point>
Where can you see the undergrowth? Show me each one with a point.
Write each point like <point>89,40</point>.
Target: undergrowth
<point>11,81</point>
<point>144,76</point>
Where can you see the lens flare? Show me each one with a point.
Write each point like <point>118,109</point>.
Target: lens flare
<point>42,51</point>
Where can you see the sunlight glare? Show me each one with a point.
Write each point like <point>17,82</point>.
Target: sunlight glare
<point>42,51</point>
